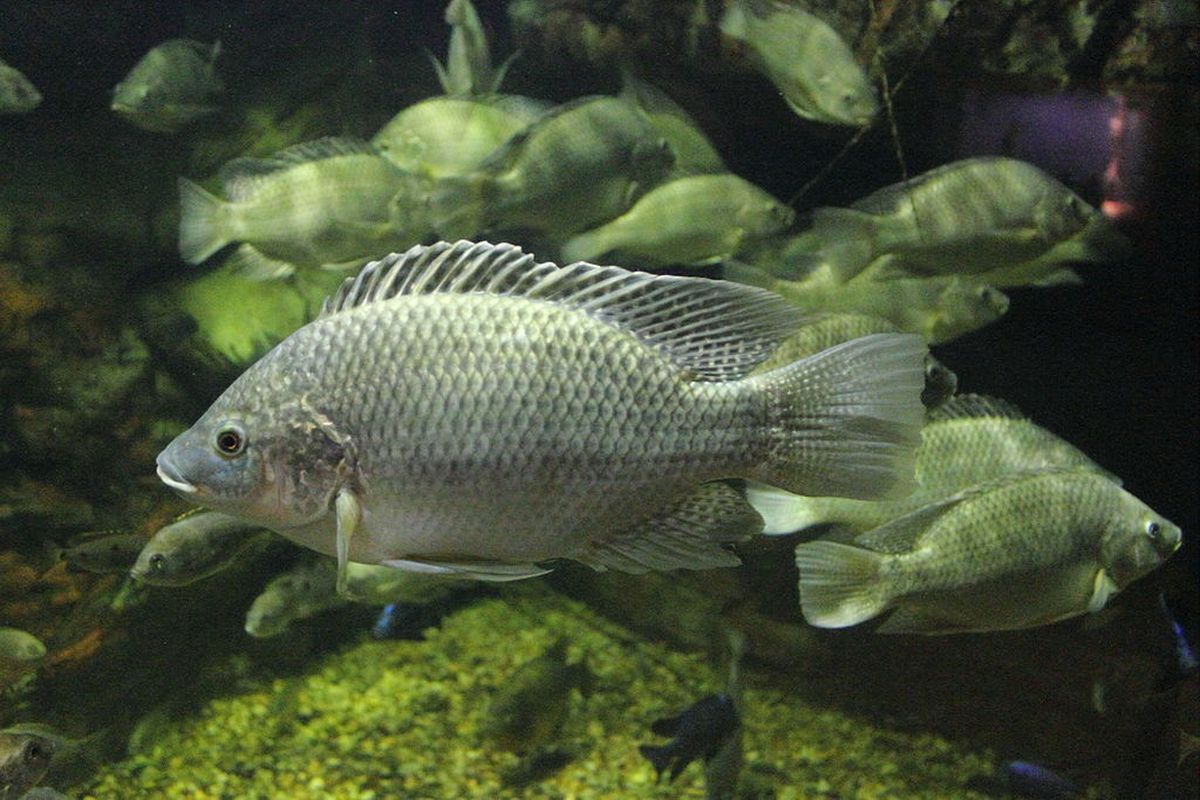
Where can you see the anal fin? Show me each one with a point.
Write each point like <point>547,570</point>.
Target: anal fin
<point>688,534</point>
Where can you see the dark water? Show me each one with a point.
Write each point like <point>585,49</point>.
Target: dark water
<point>1111,365</point>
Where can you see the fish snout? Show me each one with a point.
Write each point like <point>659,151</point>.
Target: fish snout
<point>169,474</point>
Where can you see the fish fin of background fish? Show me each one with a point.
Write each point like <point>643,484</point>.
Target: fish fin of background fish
<point>782,512</point>
<point>907,620</point>
<point>749,274</point>
<point>839,584</point>
<point>248,262</point>
<point>1059,277</point>
<point>658,755</point>
<point>498,75</point>
<point>494,571</point>
<point>349,514</point>
<point>974,406</point>
<point>586,246</point>
<point>201,223</point>
<point>667,726</point>
<point>733,21</point>
<point>900,534</point>
<point>442,75</point>
<point>1104,589</point>
<point>714,330</point>
<point>857,405</point>
<point>688,534</point>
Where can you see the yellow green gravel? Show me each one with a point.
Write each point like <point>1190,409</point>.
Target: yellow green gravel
<point>405,720</point>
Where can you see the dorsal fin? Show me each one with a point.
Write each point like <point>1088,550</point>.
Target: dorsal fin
<point>969,406</point>
<point>241,177</point>
<point>717,330</point>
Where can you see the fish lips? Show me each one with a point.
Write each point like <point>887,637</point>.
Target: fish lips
<point>169,474</point>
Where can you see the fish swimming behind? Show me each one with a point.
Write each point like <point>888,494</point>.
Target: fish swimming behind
<point>18,95</point>
<point>461,409</point>
<point>170,87</point>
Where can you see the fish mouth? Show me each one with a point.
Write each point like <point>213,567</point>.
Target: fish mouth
<point>170,477</point>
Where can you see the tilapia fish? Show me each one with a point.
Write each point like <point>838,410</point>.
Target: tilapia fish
<point>461,409</point>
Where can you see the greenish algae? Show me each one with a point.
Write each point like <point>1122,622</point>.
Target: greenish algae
<point>406,719</point>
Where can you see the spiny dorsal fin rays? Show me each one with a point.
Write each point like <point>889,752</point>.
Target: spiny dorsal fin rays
<point>717,330</point>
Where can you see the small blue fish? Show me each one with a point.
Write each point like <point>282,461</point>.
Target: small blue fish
<point>1186,661</point>
<point>697,732</point>
<point>1026,779</point>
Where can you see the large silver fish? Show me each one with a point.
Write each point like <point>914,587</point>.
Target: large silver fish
<point>461,409</point>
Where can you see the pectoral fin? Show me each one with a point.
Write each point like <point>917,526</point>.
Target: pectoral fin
<point>349,514</point>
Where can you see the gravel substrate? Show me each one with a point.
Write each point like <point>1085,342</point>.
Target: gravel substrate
<point>405,720</point>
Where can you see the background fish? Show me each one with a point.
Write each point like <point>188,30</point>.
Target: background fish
<point>582,163</point>
<point>323,203</point>
<point>461,409</point>
<point>1016,553</point>
<point>192,548</point>
<point>18,95</point>
<point>811,65</point>
<point>968,441</point>
<point>696,219</point>
<point>530,707</point>
<point>170,87</point>
<point>18,645</point>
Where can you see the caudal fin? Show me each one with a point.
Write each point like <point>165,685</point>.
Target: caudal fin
<point>586,246</point>
<point>839,584</point>
<point>201,223</point>
<point>846,422</point>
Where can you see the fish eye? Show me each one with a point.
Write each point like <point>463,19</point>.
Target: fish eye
<point>33,750</point>
<point>231,440</point>
<point>1153,530</point>
<point>158,561</point>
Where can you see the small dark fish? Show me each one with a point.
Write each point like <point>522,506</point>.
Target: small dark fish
<point>698,732</point>
<point>113,552</point>
<point>403,621</point>
<point>532,705</point>
<point>1025,779</point>
<point>1186,662</point>
<point>24,759</point>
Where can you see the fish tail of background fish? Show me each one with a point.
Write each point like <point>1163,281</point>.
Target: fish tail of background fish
<point>202,223</point>
<point>846,422</point>
<point>587,246</point>
<point>840,584</point>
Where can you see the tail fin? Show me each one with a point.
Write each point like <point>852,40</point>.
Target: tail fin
<point>839,584</point>
<point>846,421</point>
<point>586,246</point>
<point>783,512</point>
<point>659,755</point>
<point>201,223</point>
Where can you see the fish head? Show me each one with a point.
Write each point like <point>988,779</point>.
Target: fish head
<point>17,93</point>
<point>1136,541</point>
<point>972,303</point>
<point>155,565</point>
<point>29,753</point>
<point>1062,214</point>
<point>255,455</point>
<point>843,93</point>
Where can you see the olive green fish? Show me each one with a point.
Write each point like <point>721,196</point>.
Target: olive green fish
<point>193,547</point>
<point>460,409</point>
<point>171,86</point>
<point>698,219</point>
<point>305,589</point>
<point>104,552</point>
<point>694,153</point>
<point>581,163</point>
<point>993,217</point>
<point>809,63</point>
<point>321,204</point>
<point>1023,551</point>
<point>445,136</point>
<point>24,759</point>
<point>18,645</point>
<point>822,331</point>
<point>939,308</point>
<point>970,440</point>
